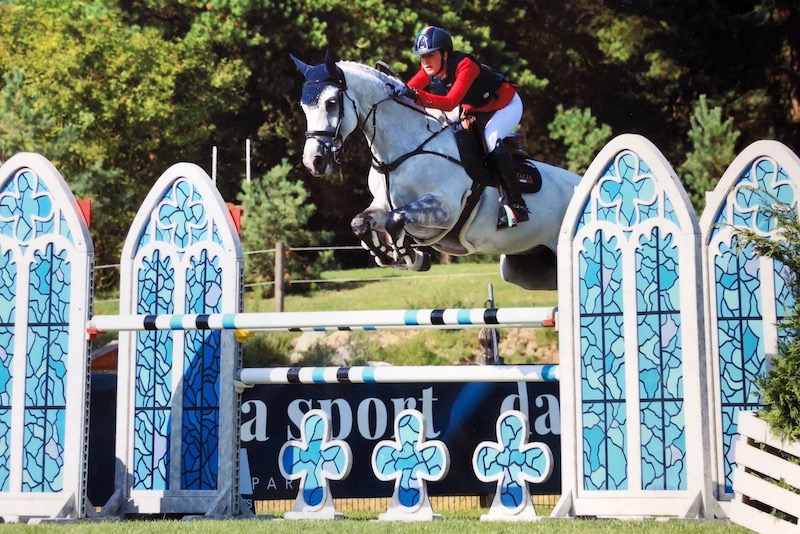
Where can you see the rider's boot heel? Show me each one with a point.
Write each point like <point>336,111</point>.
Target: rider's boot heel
<point>513,209</point>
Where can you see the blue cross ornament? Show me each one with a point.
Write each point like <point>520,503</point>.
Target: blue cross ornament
<point>314,460</point>
<point>512,463</point>
<point>410,461</point>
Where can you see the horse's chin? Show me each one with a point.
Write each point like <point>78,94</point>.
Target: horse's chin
<point>318,171</point>
<point>317,174</point>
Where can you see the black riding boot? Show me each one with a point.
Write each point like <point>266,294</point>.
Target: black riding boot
<point>507,174</point>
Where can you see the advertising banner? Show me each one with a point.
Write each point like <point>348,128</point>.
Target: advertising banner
<point>461,415</point>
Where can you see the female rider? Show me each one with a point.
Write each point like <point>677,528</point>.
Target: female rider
<point>454,78</point>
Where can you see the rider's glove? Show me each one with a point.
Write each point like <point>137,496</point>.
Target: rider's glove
<point>407,92</point>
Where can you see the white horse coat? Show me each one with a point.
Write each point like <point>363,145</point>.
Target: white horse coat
<point>418,185</point>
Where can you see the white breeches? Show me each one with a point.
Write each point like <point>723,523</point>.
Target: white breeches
<point>502,123</point>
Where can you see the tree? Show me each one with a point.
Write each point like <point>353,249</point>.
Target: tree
<point>276,209</point>
<point>23,127</point>
<point>130,103</point>
<point>580,133</point>
<point>713,149</point>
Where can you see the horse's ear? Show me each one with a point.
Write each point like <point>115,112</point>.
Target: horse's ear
<point>330,61</point>
<point>302,67</point>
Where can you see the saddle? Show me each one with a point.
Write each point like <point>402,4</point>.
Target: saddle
<point>477,163</point>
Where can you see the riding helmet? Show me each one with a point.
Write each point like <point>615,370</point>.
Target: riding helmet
<point>432,38</point>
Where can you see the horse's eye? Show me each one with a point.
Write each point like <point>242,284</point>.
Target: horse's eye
<point>330,104</point>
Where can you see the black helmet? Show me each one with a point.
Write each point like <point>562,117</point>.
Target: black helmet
<point>432,38</point>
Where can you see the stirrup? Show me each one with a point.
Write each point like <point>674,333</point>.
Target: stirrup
<point>506,218</point>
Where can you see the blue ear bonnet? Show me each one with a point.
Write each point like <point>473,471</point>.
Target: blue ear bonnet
<point>319,80</point>
<point>318,77</point>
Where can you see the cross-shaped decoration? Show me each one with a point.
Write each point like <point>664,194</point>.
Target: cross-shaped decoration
<point>410,461</point>
<point>314,460</point>
<point>627,185</point>
<point>512,462</point>
<point>181,217</point>
<point>25,206</point>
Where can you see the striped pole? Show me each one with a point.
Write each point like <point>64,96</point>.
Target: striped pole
<point>398,375</point>
<point>336,320</point>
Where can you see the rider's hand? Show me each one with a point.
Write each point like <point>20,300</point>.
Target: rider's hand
<point>407,92</point>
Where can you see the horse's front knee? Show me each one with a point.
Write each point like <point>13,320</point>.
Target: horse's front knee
<point>395,223</point>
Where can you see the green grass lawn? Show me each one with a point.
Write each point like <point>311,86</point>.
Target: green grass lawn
<point>463,285</point>
<point>451,523</point>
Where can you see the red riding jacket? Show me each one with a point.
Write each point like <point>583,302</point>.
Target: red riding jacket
<point>458,81</point>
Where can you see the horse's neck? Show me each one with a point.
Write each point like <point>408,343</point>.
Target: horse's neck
<point>392,129</point>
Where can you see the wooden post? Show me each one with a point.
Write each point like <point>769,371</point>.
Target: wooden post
<point>279,292</point>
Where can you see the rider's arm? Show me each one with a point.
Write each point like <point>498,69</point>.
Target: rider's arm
<point>419,81</point>
<point>466,72</point>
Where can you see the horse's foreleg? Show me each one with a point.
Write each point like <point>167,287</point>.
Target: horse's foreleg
<point>362,226</point>
<point>405,254</point>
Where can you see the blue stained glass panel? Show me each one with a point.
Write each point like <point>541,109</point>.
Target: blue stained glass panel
<point>43,456</point>
<point>201,378</point>
<point>46,371</point>
<point>660,363</point>
<point>663,445</point>
<point>27,208</point>
<point>604,441</point>
<point>8,302</point>
<point>5,447</point>
<point>200,458</point>
<point>740,338</point>
<point>151,453</point>
<point>602,364</point>
<point>153,381</point>
<point>762,180</point>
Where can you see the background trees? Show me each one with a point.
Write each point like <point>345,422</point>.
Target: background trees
<point>116,91</point>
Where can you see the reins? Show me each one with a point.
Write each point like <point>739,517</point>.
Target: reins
<point>385,168</point>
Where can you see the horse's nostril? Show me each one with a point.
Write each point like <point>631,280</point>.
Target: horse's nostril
<point>319,164</point>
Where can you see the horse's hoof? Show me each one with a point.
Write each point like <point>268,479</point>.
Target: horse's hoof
<point>422,263</point>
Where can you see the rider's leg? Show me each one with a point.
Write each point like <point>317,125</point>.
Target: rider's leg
<point>504,165</point>
<point>501,124</point>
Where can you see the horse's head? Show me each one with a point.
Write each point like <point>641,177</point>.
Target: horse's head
<point>328,120</point>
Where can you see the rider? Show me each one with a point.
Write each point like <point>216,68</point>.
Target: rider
<point>452,78</point>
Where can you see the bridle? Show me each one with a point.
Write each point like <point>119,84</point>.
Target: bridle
<point>332,141</point>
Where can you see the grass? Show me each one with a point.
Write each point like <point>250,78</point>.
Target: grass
<point>451,523</point>
<point>463,285</point>
<point>444,286</point>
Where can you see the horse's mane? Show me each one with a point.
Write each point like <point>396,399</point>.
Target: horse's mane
<point>361,70</point>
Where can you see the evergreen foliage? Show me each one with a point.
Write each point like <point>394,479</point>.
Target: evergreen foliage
<point>713,149</point>
<point>277,209</point>
<point>780,388</point>
<point>581,134</point>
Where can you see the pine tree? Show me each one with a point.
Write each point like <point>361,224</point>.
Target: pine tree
<point>277,209</point>
<point>580,133</point>
<point>713,148</point>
